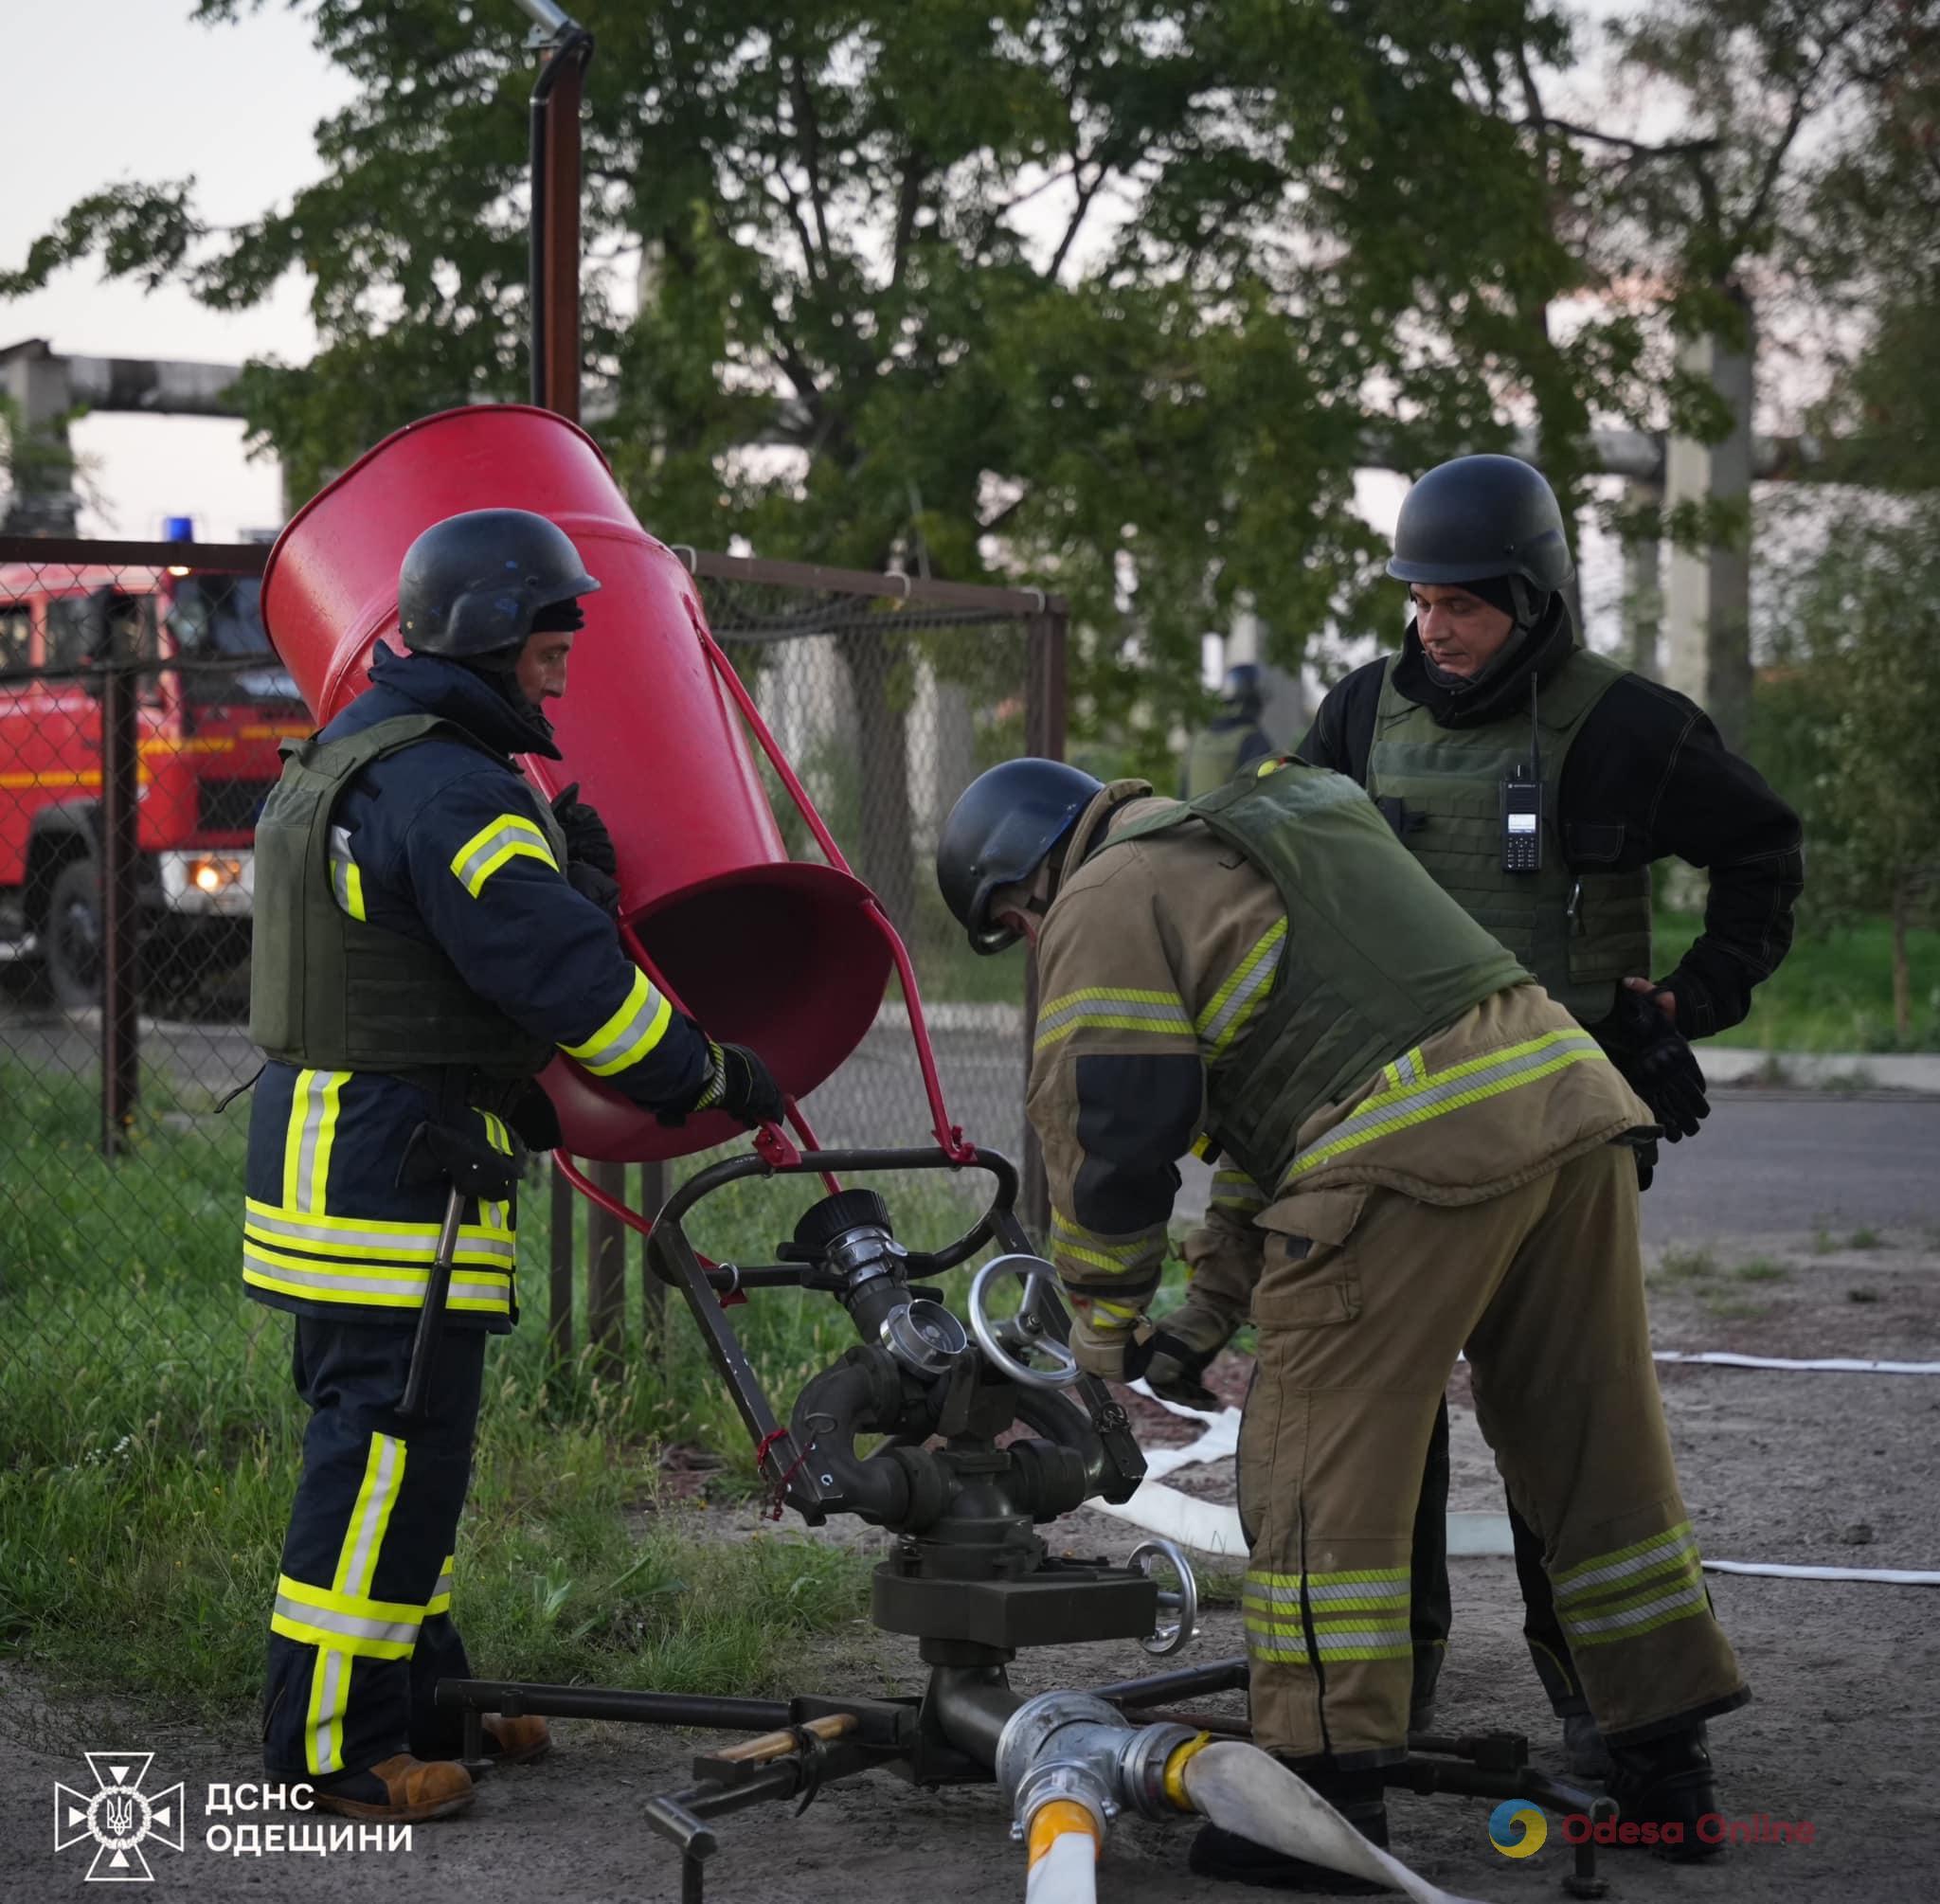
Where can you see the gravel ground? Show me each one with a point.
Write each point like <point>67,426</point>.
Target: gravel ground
<point>1820,1468</point>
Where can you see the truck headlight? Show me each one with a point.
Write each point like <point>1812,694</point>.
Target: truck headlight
<point>200,882</point>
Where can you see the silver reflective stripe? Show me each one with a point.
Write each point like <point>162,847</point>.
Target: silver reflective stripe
<point>639,1038</point>
<point>1390,1591</point>
<point>1673,1545</point>
<point>363,1557</point>
<point>1336,1638</point>
<point>1243,995</point>
<point>513,832</point>
<point>333,1667</point>
<point>1405,1069</point>
<point>315,1097</point>
<point>1693,1597</point>
<point>408,1249</point>
<point>1389,1109</point>
<point>1170,1014</point>
<point>487,1282</point>
<point>347,1625</point>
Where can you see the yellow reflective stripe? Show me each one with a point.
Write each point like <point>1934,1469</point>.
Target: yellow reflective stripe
<point>1141,1256</point>
<point>1125,1253</point>
<point>326,1139</point>
<point>315,1102</point>
<point>323,1723</point>
<point>441,1594</point>
<point>496,1213</point>
<point>1122,1313</point>
<point>630,1034</point>
<point>1686,1604</point>
<point>505,838</point>
<point>483,1291</point>
<point>347,877</point>
<point>1234,1001</point>
<point>1359,1576</point>
<point>356,1229</point>
<point>1676,1576</point>
<point>384,1475</point>
<point>1113,1007</point>
<point>1571,1582</point>
<point>1600,1599</point>
<point>477,1244</point>
<point>1453,1089</point>
<point>1234,1190</point>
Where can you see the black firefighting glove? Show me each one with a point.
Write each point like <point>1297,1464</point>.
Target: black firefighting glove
<point>1189,1339</point>
<point>737,1082</point>
<point>1657,1062</point>
<point>586,832</point>
<point>590,862</point>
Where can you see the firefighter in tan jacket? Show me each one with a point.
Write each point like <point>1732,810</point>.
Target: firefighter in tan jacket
<point>1268,972</point>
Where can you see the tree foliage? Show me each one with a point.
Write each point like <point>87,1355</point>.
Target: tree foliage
<point>1102,294</point>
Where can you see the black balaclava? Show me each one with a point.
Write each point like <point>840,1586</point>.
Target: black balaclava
<point>1510,596</point>
<point>500,670</point>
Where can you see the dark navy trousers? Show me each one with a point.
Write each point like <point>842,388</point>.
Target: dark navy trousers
<point>362,1629</point>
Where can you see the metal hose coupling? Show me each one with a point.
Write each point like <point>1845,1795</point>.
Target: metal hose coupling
<point>1073,1746</point>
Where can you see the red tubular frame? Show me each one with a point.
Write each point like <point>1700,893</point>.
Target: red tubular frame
<point>770,1141</point>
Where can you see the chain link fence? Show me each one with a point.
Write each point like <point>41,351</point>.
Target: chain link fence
<point>140,712</point>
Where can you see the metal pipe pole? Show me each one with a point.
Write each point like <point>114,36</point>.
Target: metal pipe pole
<point>120,905</point>
<point>1046,633</point>
<point>553,286</point>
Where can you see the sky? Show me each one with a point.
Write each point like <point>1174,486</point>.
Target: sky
<point>164,98</point>
<point>234,106</point>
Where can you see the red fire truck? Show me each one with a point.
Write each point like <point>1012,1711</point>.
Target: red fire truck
<point>206,742</point>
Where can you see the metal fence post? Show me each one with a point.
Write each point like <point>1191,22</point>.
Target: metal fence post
<point>559,1325</point>
<point>606,1273</point>
<point>120,924</point>
<point>652,1291</point>
<point>1046,633</point>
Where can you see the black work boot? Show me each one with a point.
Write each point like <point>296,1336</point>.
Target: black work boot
<point>1357,1796</point>
<point>1666,1782</point>
<point>1584,1750</point>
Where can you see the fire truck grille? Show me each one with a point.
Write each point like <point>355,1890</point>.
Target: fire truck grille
<point>230,806</point>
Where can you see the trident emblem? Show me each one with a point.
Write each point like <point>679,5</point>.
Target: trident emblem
<point>118,1815</point>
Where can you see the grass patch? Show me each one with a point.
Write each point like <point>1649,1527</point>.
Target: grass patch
<point>1865,1239</point>
<point>1761,1269</point>
<point>1832,992</point>
<point>150,1441</point>
<point>1685,1266</point>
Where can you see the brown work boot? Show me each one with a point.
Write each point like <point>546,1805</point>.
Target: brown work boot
<point>516,1741</point>
<point>399,1790</point>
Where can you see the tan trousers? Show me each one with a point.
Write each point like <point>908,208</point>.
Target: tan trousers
<point>1359,1324</point>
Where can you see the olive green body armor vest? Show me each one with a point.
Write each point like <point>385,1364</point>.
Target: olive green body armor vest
<point>1580,931</point>
<point>336,993</point>
<point>1213,758</point>
<point>1375,958</point>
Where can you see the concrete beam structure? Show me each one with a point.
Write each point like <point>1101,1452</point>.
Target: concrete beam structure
<point>1707,610</point>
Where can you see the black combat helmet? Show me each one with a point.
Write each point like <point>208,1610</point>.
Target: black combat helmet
<point>474,584</point>
<point>1479,517</point>
<point>1244,690</point>
<point>1003,827</point>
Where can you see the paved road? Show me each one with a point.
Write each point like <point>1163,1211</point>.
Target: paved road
<point>1763,1164</point>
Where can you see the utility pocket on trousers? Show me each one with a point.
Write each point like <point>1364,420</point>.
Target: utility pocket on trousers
<point>1308,1279</point>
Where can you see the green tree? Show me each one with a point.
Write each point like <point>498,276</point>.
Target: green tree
<point>1866,759</point>
<point>1101,293</point>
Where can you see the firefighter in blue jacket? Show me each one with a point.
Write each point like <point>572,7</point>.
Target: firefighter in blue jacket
<point>429,933</point>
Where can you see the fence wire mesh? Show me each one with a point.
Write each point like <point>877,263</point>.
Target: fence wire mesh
<point>124,946</point>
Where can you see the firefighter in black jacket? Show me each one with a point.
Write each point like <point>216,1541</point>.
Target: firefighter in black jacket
<point>1537,782</point>
<point>430,932</point>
